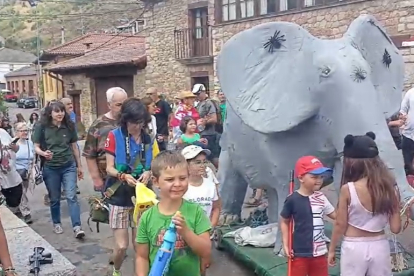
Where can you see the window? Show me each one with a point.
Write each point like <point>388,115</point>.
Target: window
<point>229,10</point>
<point>31,88</point>
<point>16,85</point>
<point>8,86</point>
<point>246,8</point>
<point>239,9</point>
<point>23,86</point>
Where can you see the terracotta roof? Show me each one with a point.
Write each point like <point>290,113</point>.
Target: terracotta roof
<point>79,46</point>
<point>24,71</point>
<point>132,53</point>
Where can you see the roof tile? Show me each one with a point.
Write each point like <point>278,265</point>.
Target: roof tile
<point>132,53</point>
<point>79,46</point>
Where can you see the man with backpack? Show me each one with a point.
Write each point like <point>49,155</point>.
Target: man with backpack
<point>209,119</point>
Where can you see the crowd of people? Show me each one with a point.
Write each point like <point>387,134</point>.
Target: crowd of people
<point>131,143</point>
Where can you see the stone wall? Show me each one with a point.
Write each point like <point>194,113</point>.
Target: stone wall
<point>163,70</point>
<point>88,111</point>
<point>331,22</point>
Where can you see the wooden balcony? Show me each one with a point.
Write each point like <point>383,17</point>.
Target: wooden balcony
<point>193,45</point>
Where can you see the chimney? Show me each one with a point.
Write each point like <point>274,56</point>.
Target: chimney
<point>62,35</point>
<point>88,45</point>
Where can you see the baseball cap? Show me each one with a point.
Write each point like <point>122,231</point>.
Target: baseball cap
<point>190,152</point>
<point>310,164</point>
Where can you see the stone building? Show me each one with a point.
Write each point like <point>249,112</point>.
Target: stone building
<point>89,65</point>
<point>185,37</point>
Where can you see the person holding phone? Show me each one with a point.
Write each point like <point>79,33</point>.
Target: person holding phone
<point>55,140</point>
<point>10,180</point>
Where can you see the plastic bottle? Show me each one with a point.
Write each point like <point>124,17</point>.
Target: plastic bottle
<point>164,254</point>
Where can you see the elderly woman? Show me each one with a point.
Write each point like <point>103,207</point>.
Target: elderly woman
<point>128,161</point>
<point>184,109</point>
<point>24,161</point>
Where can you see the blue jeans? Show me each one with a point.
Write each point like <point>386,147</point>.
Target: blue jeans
<point>54,178</point>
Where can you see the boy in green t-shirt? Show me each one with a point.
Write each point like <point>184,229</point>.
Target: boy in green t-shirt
<point>170,176</point>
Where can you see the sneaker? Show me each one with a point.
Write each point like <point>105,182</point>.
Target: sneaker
<point>63,195</point>
<point>79,233</point>
<point>46,200</point>
<point>57,228</point>
<point>28,219</point>
<point>116,273</point>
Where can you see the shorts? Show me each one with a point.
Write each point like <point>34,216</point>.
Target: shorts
<point>13,195</point>
<point>312,266</point>
<point>366,256</point>
<point>121,217</point>
<point>213,145</point>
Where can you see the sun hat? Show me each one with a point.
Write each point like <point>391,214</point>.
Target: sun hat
<point>190,152</point>
<point>186,94</point>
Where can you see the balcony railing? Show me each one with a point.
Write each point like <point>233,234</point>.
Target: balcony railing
<point>192,42</point>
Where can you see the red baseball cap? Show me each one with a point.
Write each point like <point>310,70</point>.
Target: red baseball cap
<point>309,164</point>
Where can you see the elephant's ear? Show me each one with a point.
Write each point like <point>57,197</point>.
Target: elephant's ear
<point>387,64</point>
<point>268,76</point>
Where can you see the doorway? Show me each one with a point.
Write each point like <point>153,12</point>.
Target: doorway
<point>199,30</point>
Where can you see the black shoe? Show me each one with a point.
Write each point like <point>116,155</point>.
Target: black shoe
<point>28,219</point>
<point>77,191</point>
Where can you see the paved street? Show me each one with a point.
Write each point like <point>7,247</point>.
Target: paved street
<point>91,255</point>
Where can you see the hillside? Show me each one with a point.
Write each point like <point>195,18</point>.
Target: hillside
<point>19,21</point>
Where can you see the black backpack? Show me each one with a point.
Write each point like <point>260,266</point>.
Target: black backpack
<point>219,124</point>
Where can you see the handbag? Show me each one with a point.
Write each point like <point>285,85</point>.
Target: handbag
<point>98,206</point>
<point>24,173</point>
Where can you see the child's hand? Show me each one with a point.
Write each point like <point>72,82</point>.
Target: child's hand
<point>331,258</point>
<point>287,253</point>
<point>180,224</point>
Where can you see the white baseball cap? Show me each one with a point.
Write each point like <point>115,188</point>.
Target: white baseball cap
<point>190,152</point>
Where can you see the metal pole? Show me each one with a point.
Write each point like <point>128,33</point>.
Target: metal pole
<point>38,71</point>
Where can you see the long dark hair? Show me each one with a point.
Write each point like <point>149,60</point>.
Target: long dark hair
<point>380,182</point>
<point>184,122</point>
<point>133,111</point>
<point>46,119</point>
<point>31,117</point>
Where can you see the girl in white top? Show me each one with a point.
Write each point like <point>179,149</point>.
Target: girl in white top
<point>152,126</point>
<point>202,190</point>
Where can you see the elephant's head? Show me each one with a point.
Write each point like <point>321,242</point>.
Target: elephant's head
<point>276,76</point>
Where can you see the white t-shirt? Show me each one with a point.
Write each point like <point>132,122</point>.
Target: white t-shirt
<point>153,127</point>
<point>204,195</point>
<point>9,177</point>
<point>211,175</point>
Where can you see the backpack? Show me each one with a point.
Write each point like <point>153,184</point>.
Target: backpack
<point>219,124</point>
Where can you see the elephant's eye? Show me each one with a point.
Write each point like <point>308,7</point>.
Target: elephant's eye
<point>326,71</point>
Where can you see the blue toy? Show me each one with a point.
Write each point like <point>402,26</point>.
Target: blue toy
<point>165,253</point>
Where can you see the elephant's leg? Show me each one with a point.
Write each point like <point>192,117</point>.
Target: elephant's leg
<point>232,190</point>
<point>275,205</point>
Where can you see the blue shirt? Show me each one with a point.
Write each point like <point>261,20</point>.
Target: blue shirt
<point>25,155</point>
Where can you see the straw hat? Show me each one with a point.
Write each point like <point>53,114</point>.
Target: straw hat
<point>186,95</point>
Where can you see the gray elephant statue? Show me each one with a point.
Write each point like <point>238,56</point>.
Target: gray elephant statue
<point>291,94</point>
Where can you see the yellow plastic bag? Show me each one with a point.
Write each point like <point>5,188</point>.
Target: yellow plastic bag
<point>155,149</point>
<point>144,199</point>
